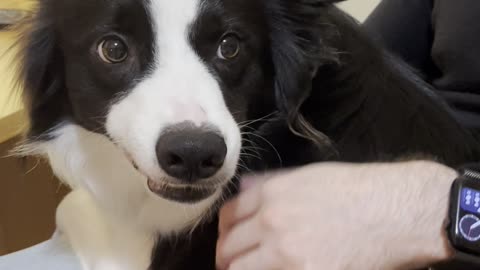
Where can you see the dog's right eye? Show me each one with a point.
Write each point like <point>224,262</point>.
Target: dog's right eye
<point>112,50</point>
<point>229,47</point>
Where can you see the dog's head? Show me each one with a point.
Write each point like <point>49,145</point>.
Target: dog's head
<point>142,102</point>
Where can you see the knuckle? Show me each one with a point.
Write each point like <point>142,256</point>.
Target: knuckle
<point>288,250</point>
<point>236,265</point>
<point>272,188</point>
<point>267,191</point>
<point>271,218</point>
<point>285,248</point>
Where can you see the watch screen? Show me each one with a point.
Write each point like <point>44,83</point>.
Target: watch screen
<point>465,216</point>
<point>470,200</point>
<point>469,223</point>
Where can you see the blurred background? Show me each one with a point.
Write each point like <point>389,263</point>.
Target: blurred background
<point>29,193</point>
<point>360,9</point>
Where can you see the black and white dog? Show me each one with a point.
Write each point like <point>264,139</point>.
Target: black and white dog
<point>149,109</point>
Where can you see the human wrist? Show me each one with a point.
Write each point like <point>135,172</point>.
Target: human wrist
<point>425,239</point>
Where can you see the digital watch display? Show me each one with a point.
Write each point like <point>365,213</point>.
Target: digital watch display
<point>464,223</point>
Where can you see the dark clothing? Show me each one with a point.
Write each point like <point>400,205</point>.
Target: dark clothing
<point>440,39</point>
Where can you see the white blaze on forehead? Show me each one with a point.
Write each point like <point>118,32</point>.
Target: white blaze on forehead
<point>179,88</point>
<point>179,12</point>
<point>172,21</point>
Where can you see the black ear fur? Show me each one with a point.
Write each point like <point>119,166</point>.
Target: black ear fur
<point>298,32</point>
<point>41,74</point>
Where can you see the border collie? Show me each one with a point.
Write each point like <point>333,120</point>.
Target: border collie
<point>151,109</point>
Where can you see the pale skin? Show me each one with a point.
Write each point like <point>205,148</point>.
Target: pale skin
<point>339,217</point>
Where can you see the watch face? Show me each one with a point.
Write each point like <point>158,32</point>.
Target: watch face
<point>466,228</point>
<point>470,228</point>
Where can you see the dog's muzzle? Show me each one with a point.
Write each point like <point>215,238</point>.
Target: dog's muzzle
<point>191,156</point>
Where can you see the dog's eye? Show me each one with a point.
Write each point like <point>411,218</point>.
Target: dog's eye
<point>113,50</point>
<point>229,47</point>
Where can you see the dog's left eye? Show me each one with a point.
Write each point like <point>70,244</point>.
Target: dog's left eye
<point>112,50</point>
<point>229,47</point>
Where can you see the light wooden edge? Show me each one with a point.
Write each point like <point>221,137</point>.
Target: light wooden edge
<point>12,126</point>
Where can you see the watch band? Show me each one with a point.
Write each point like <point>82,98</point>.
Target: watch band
<point>459,261</point>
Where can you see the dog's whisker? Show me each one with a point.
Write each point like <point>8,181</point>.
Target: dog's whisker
<point>249,122</point>
<point>37,163</point>
<point>250,155</point>
<point>238,112</point>
<point>248,127</point>
<point>251,143</point>
<point>245,168</point>
<point>255,150</point>
<point>269,143</point>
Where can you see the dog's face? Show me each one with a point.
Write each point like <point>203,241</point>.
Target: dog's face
<point>165,81</point>
<point>144,100</point>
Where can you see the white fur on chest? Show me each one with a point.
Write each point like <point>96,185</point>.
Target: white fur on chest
<point>100,241</point>
<point>111,219</point>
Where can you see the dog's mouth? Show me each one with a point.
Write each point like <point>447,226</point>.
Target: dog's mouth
<point>183,193</point>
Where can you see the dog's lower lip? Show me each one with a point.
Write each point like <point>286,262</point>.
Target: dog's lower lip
<point>177,192</point>
<point>180,193</point>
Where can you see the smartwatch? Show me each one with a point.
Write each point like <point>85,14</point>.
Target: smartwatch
<point>464,216</point>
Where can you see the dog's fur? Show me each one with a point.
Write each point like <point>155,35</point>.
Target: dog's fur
<point>306,86</point>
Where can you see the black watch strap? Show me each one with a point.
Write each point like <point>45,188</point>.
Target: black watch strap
<point>460,261</point>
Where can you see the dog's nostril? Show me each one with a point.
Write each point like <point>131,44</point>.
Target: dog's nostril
<point>191,154</point>
<point>213,161</point>
<point>174,160</point>
<point>207,163</point>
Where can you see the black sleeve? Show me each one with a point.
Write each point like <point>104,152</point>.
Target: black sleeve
<point>404,27</point>
<point>440,39</point>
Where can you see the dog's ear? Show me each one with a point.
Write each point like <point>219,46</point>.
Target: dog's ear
<point>40,72</point>
<point>298,33</point>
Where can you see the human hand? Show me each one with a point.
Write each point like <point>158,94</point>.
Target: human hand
<point>338,216</point>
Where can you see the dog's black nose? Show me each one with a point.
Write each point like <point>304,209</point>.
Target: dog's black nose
<point>191,154</point>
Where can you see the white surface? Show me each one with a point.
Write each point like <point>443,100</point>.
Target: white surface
<point>360,9</point>
<point>51,255</point>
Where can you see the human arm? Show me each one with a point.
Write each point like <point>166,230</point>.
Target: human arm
<point>339,216</point>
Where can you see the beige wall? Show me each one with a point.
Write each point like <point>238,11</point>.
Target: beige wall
<point>11,118</point>
<point>360,9</point>
<point>9,102</point>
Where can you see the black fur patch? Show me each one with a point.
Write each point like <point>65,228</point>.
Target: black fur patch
<point>64,78</point>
